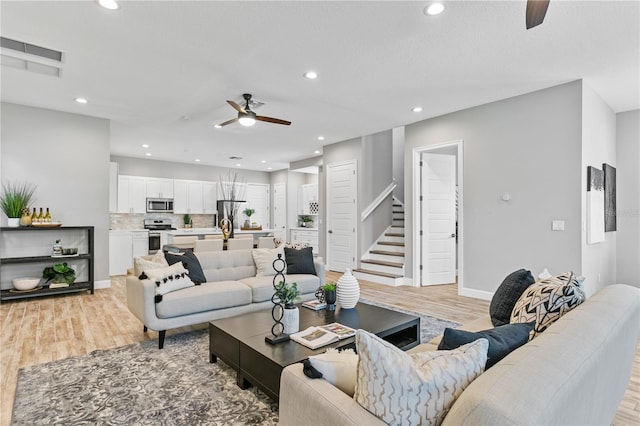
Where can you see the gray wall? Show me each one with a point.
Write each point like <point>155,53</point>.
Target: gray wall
<point>166,169</point>
<point>398,162</point>
<point>67,156</point>
<point>598,146</point>
<point>628,197</point>
<point>530,147</point>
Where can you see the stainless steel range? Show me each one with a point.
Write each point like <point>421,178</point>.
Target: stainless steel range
<point>155,226</point>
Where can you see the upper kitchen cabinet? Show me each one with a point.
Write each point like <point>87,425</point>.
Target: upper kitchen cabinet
<point>188,196</point>
<point>159,188</point>
<point>209,197</point>
<point>113,187</point>
<point>132,193</point>
<point>308,199</point>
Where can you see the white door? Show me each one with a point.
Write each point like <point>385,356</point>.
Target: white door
<point>438,219</point>
<point>341,216</point>
<point>280,210</point>
<point>257,196</point>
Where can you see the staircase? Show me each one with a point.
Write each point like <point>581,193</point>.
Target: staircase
<point>384,262</point>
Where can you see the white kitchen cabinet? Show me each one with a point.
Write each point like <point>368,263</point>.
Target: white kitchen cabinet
<point>159,188</point>
<point>120,252</point>
<point>113,187</point>
<point>188,196</point>
<point>308,236</point>
<point>308,193</point>
<point>140,243</point>
<point>209,197</point>
<point>132,194</point>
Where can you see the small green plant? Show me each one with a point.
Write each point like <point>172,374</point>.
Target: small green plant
<point>329,286</point>
<point>306,219</point>
<point>248,212</point>
<point>287,293</point>
<point>16,197</point>
<point>186,219</point>
<point>59,273</point>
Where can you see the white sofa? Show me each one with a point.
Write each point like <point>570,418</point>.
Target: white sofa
<point>575,372</point>
<point>232,288</point>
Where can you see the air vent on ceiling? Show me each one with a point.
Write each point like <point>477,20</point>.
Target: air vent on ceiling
<point>29,57</point>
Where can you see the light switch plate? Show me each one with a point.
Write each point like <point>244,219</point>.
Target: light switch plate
<point>557,225</point>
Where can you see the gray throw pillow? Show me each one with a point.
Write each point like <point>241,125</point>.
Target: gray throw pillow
<point>506,296</point>
<point>191,263</point>
<point>299,261</point>
<point>502,340</point>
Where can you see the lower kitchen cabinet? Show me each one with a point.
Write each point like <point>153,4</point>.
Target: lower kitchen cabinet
<point>309,236</point>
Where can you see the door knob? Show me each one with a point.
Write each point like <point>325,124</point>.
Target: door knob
<point>330,231</point>
<point>453,235</point>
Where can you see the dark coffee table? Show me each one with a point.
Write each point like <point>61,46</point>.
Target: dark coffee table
<point>239,341</point>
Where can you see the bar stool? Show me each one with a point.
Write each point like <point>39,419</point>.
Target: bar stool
<point>240,244</point>
<point>266,242</point>
<point>208,245</point>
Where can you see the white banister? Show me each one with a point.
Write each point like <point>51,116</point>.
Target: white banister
<point>379,199</point>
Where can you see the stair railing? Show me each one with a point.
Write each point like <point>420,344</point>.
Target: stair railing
<point>379,199</point>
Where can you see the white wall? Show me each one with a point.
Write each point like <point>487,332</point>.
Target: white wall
<point>530,147</point>
<point>398,162</point>
<point>628,197</point>
<point>67,156</point>
<point>598,146</point>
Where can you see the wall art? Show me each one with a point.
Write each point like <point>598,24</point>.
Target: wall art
<point>609,197</point>
<point>595,205</point>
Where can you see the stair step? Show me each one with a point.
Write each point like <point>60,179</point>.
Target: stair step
<point>380,274</point>
<point>398,211</point>
<point>387,253</point>
<point>398,219</point>
<point>397,205</point>
<point>394,234</point>
<point>390,243</point>
<point>382,263</point>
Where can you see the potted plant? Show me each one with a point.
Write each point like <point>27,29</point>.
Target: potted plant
<point>60,273</point>
<point>248,212</point>
<point>306,221</point>
<point>329,289</point>
<point>187,220</point>
<point>288,294</point>
<point>14,199</point>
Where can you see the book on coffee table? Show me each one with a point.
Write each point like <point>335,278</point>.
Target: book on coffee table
<point>315,337</point>
<point>315,305</point>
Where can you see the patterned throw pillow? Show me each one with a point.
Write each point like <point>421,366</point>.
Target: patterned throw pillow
<point>171,278</point>
<point>506,296</point>
<point>156,261</point>
<point>413,389</point>
<point>298,246</point>
<point>547,300</point>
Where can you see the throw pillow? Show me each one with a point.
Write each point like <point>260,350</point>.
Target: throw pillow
<point>264,258</point>
<point>502,340</point>
<point>191,262</point>
<point>547,300</point>
<point>338,368</point>
<point>506,296</point>
<point>170,278</point>
<point>413,389</point>
<point>299,261</point>
<point>156,261</point>
<point>280,242</point>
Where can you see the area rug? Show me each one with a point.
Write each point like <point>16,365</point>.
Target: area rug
<point>139,384</point>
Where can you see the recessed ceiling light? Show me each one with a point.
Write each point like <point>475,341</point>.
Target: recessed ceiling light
<point>263,161</point>
<point>148,154</point>
<point>109,4</point>
<point>310,75</point>
<point>434,9</point>
<point>217,126</point>
<point>197,160</point>
<point>81,100</point>
<point>317,151</point>
<point>145,145</point>
<point>416,109</point>
<point>238,165</point>
<point>269,168</point>
<point>320,138</point>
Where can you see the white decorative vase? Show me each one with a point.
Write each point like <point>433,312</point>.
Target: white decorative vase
<point>13,222</point>
<point>347,290</point>
<point>291,320</point>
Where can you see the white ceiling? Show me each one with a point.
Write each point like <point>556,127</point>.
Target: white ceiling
<point>149,64</point>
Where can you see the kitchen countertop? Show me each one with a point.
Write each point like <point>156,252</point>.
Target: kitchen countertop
<point>303,229</point>
<point>214,231</point>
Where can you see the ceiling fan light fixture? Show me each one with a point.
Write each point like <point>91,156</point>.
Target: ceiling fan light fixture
<point>247,119</point>
<point>109,4</point>
<point>434,9</point>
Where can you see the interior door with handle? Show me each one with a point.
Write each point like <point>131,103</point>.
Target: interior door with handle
<point>341,216</point>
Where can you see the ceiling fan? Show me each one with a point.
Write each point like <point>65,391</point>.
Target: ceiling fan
<point>536,9</point>
<point>246,117</point>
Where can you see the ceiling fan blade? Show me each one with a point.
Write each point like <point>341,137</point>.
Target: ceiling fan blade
<point>272,120</point>
<point>536,9</point>
<point>233,120</point>
<point>236,106</point>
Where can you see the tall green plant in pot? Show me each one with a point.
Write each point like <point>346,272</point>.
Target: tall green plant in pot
<point>14,199</point>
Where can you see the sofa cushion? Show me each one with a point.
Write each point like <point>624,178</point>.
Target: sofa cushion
<point>228,265</point>
<point>547,300</point>
<point>338,368</point>
<point>299,261</point>
<point>144,263</point>
<point>506,296</point>
<point>264,258</point>
<point>168,279</point>
<point>262,287</point>
<point>203,298</point>
<point>502,340</point>
<point>191,262</point>
<point>413,389</point>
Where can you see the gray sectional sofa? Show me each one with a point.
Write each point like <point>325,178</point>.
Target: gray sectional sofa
<point>232,288</point>
<point>575,372</point>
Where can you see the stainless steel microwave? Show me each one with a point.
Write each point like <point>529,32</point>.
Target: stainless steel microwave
<point>159,205</point>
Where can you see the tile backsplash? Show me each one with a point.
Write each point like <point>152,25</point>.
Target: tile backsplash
<point>136,221</point>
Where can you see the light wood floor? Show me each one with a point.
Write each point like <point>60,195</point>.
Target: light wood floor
<point>46,329</point>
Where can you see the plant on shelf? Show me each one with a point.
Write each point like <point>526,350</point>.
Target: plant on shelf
<point>306,220</point>
<point>248,212</point>
<point>15,198</point>
<point>59,273</point>
<point>287,293</point>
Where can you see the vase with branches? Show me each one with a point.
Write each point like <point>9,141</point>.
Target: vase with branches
<point>232,188</point>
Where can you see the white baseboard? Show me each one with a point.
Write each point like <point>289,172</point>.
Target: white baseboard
<point>476,294</point>
<point>101,284</point>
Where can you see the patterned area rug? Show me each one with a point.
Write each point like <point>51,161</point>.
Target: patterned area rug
<point>139,384</point>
